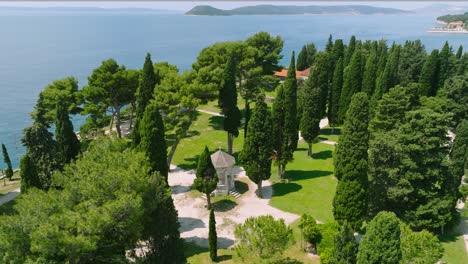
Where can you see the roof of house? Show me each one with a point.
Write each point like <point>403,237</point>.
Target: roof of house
<point>284,73</point>
<point>221,159</point>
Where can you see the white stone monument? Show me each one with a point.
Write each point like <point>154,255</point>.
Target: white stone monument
<point>223,164</point>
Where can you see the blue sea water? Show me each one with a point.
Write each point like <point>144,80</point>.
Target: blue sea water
<point>39,47</point>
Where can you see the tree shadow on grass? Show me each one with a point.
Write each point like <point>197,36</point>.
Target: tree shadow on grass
<point>241,187</point>
<point>328,131</point>
<point>323,155</point>
<point>224,205</point>
<point>300,175</point>
<point>199,243</point>
<point>190,163</point>
<point>283,188</point>
<point>216,122</point>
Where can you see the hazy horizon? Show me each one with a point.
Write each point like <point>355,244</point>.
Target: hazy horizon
<point>186,5</point>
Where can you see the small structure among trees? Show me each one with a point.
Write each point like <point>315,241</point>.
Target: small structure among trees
<point>224,164</point>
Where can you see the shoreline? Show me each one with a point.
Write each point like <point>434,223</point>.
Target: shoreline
<point>447,31</point>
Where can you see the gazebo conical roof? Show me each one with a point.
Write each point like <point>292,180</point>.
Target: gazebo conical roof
<point>221,159</point>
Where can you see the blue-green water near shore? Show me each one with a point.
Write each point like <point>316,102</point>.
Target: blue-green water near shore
<point>41,46</point>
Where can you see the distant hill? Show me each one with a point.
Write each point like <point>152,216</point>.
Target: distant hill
<point>453,18</point>
<point>205,10</point>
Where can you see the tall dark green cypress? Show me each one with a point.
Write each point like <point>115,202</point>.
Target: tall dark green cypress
<point>310,116</point>
<point>153,142</point>
<point>444,64</point>
<point>319,78</point>
<point>256,153</point>
<point>302,62</point>
<point>329,46</point>
<point>212,237</point>
<point>144,95</point>
<point>29,176</point>
<point>459,52</point>
<point>278,114</point>
<point>206,178</point>
<point>7,161</point>
<point>335,94</point>
<point>228,102</point>
<point>459,153</point>
<point>345,248</point>
<point>68,143</point>
<point>350,201</point>
<point>429,79</point>
<point>349,50</point>
<point>370,73</point>
<point>352,81</point>
<point>388,78</point>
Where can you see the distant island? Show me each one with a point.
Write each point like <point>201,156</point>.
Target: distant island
<point>452,24</point>
<point>206,10</point>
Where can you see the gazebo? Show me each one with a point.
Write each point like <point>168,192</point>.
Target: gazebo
<point>223,164</point>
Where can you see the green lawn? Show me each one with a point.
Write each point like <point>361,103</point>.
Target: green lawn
<point>454,249</point>
<point>327,134</point>
<point>207,131</point>
<point>311,185</point>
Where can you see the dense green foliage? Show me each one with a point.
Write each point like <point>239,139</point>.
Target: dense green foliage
<point>310,230</point>
<point>346,246</point>
<point>381,243</point>
<point>419,247</point>
<point>310,116</point>
<point>350,202</point>
<point>206,177</point>
<point>352,81</point>
<point>256,154</point>
<point>6,159</point>
<point>459,152</point>
<point>453,18</point>
<point>306,57</point>
<point>95,215</point>
<point>335,94</point>
<point>262,237</point>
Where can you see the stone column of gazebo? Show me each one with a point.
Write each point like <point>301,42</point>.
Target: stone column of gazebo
<point>224,164</point>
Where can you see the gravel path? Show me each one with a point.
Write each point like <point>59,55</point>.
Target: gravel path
<point>9,196</point>
<point>193,216</point>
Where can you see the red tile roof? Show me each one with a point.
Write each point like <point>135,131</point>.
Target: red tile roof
<point>284,73</point>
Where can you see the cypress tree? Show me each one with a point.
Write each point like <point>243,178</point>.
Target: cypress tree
<point>338,51</point>
<point>256,154</point>
<point>459,153</point>
<point>68,143</point>
<point>381,243</point>
<point>291,134</point>
<point>310,116</point>
<point>388,78</point>
<point>311,51</point>
<point>29,176</point>
<point>302,62</point>
<point>329,46</point>
<point>7,161</point>
<point>350,50</point>
<point>228,103</point>
<point>382,54</point>
<point>335,94</point>
<point>278,113</point>
<point>345,248</point>
<point>143,96</point>
<point>350,201</point>
<point>212,237</point>
<point>206,178</point>
<point>319,78</point>
<point>153,142</point>
<point>459,52</point>
<point>429,79</point>
<point>370,71</point>
<point>351,82</point>
<point>444,64</point>
<point>463,64</point>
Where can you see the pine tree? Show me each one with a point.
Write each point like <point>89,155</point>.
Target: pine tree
<point>68,143</point>
<point>153,142</point>
<point>345,248</point>
<point>206,178</point>
<point>7,161</point>
<point>212,237</point>
<point>381,243</point>
<point>429,78</point>
<point>144,95</point>
<point>459,52</point>
<point>256,154</point>
<point>444,64</point>
<point>228,103</point>
<point>350,202</point>
<point>370,71</point>
<point>329,46</point>
<point>335,94</point>
<point>352,81</point>
<point>310,116</point>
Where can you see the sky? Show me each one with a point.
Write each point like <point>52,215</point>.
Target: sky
<point>186,5</point>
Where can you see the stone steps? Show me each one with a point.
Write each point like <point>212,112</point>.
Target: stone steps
<point>234,193</point>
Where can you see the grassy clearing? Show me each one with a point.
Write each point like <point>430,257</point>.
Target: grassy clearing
<point>328,134</point>
<point>311,185</point>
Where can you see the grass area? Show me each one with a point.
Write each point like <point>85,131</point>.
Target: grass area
<point>311,185</point>
<point>328,133</point>
<point>454,249</point>
<point>8,186</point>
<point>207,131</point>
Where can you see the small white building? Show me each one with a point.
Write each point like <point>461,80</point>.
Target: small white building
<point>224,164</point>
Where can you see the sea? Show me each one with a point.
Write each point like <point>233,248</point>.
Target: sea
<point>40,46</point>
